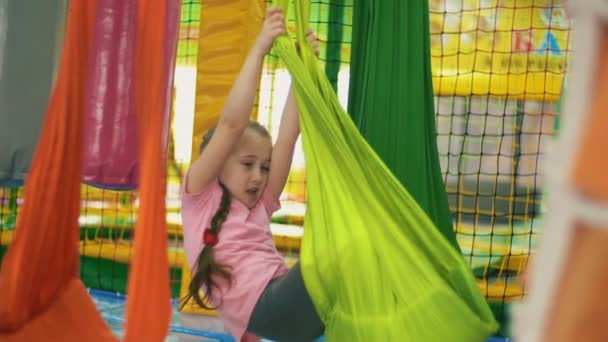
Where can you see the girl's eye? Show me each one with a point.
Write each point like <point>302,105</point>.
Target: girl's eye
<point>248,164</point>
<point>265,168</point>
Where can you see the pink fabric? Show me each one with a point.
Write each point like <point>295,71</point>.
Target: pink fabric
<point>110,147</point>
<point>110,137</point>
<point>245,244</point>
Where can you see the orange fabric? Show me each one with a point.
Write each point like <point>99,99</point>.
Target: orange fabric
<point>71,318</point>
<point>43,257</point>
<point>148,308</point>
<point>580,312</point>
<point>589,174</point>
<point>41,297</point>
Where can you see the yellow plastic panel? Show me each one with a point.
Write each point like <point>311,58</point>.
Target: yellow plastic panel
<point>228,30</point>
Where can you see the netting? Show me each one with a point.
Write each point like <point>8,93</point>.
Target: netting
<point>498,69</point>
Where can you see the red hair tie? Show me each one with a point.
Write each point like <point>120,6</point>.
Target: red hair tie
<point>209,238</point>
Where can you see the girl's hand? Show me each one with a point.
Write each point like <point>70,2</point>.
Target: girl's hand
<point>274,26</point>
<point>312,40</point>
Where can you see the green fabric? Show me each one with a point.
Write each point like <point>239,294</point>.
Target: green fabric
<point>334,41</point>
<point>391,98</point>
<point>371,260</point>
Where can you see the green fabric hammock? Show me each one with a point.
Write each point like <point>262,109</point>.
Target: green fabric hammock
<point>391,98</point>
<point>374,265</point>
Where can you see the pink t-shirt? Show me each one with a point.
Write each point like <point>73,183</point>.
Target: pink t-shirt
<point>245,244</point>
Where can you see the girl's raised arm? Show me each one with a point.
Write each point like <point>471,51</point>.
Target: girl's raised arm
<point>236,112</point>
<point>289,130</point>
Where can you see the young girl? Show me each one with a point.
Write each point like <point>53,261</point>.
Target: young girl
<point>229,195</point>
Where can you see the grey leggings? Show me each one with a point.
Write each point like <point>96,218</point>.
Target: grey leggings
<point>284,312</point>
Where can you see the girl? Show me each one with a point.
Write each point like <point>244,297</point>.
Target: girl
<point>229,195</point>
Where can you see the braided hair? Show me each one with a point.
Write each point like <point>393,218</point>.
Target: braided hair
<point>206,266</point>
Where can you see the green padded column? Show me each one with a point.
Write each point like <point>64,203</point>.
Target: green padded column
<point>391,98</point>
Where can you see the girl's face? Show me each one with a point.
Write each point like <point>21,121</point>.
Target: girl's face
<point>245,172</point>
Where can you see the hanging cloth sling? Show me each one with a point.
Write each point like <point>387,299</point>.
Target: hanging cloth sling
<point>41,297</point>
<point>372,261</point>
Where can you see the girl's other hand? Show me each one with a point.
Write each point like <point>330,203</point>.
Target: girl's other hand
<point>274,26</point>
<point>312,40</point>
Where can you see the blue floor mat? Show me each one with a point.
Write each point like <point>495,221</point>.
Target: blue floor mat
<point>112,308</point>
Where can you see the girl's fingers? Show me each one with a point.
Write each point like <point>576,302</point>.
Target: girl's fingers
<point>278,26</point>
<point>278,29</point>
<point>272,10</point>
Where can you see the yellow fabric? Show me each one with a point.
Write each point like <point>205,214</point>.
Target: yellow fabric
<point>228,30</point>
<point>373,264</point>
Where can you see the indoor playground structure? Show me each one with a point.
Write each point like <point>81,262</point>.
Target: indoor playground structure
<point>432,117</point>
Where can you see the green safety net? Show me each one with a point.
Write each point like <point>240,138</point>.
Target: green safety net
<point>391,98</point>
<point>374,265</point>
